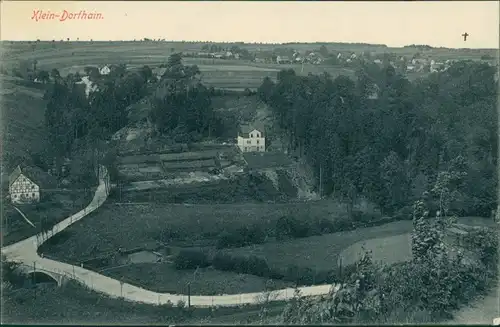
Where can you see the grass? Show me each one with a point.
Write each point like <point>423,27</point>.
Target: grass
<point>318,252</point>
<point>23,131</point>
<point>15,228</point>
<point>128,226</point>
<point>389,242</point>
<point>74,304</point>
<point>163,277</point>
<point>388,250</point>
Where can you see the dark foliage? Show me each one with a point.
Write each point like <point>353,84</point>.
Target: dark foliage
<point>191,259</point>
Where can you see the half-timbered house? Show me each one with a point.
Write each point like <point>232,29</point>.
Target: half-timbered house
<point>27,184</point>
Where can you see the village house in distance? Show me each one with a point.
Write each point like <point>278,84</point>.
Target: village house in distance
<point>252,138</point>
<point>27,183</point>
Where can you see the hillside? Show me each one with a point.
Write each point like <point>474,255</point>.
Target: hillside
<point>22,131</point>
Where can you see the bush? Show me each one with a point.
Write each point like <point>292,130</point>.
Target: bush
<point>287,226</point>
<point>485,243</point>
<point>227,240</point>
<point>224,262</point>
<point>326,226</point>
<point>405,213</point>
<point>191,259</point>
<point>365,217</point>
<point>245,265</point>
<point>241,237</point>
<point>181,304</point>
<point>168,234</point>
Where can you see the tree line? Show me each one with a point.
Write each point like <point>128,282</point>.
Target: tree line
<point>393,146</point>
<point>79,124</point>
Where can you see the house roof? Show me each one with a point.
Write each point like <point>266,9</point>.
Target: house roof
<point>246,129</point>
<point>35,174</point>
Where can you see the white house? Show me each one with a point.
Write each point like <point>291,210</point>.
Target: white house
<point>89,86</point>
<point>251,139</point>
<point>436,66</point>
<point>373,92</point>
<point>104,70</point>
<point>26,184</point>
<point>378,61</point>
<point>283,60</point>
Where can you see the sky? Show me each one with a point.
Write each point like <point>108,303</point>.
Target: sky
<point>392,23</point>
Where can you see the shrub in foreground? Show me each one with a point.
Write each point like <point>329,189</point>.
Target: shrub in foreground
<point>191,259</point>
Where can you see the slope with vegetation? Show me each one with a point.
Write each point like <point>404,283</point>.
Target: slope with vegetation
<point>392,148</point>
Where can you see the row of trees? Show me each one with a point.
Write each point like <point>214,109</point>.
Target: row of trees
<point>78,124</point>
<point>390,149</point>
<point>181,104</point>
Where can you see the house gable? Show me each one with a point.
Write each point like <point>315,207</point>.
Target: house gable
<point>23,178</point>
<point>33,175</point>
<point>246,130</point>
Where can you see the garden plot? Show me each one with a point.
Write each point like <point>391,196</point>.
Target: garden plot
<point>185,178</point>
<point>189,165</point>
<point>183,156</point>
<point>146,171</point>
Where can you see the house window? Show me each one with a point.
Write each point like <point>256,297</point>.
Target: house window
<point>258,135</point>
<point>249,142</point>
<point>258,141</point>
<point>33,194</point>
<point>245,148</point>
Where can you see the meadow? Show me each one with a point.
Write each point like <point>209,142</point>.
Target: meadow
<point>52,211</point>
<point>133,225</point>
<point>321,252</point>
<point>72,57</point>
<point>23,108</point>
<point>163,277</point>
<point>75,304</point>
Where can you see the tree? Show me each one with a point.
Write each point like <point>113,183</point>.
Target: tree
<point>54,73</point>
<point>265,90</point>
<point>92,72</point>
<point>43,76</point>
<point>448,182</point>
<point>181,103</point>
<point>323,51</point>
<point>146,72</point>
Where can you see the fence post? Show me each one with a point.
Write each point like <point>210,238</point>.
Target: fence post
<point>340,267</point>
<point>34,279</point>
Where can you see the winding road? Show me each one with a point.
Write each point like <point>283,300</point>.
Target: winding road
<point>25,252</point>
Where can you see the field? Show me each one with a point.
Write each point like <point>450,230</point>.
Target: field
<point>15,228</point>
<point>388,250</point>
<point>163,277</point>
<point>133,225</point>
<point>72,57</point>
<point>219,73</point>
<point>319,252</point>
